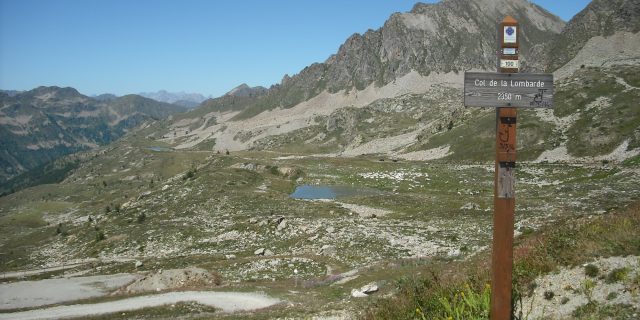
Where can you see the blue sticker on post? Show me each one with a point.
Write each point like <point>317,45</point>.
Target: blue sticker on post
<point>510,34</point>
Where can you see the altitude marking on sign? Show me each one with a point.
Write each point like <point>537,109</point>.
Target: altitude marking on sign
<point>506,91</point>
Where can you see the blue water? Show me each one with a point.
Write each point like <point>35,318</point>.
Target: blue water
<point>159,149</point>
<point>330,192</point>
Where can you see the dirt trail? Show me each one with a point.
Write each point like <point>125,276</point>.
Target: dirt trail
<point>227,301</point>
<point>29,294</point>
<point>26,273</point>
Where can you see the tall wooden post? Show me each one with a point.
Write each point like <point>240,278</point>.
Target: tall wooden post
<point>504,192</point>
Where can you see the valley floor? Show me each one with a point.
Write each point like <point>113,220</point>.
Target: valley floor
<point>229,221</point>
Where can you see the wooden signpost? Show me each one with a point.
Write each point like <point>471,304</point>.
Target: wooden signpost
<point>506,91</point>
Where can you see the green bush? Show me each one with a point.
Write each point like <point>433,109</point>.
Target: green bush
<point>617,275</point>
<point>467,304</point>
<point>548,295</point>
<point>100,236</point>
<point>189,175</point>
<point>591,270</point>
<point>274,170</point>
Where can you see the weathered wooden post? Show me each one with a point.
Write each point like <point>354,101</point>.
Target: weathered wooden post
<point>504,202</point>
<point>506,91</point>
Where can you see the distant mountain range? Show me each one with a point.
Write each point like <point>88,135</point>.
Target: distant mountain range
<point>42,124</point>
<point>187,100</point>
<point>10,93</point>
<point>193,100</point>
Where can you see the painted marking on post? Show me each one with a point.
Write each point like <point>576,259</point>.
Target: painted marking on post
<point>484,89</point>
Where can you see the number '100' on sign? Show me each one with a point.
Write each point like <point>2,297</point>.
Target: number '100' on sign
<point>484,89</point>
<point>509,64</point>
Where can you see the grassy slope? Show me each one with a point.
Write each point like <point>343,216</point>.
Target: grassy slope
<point>599,130</point>
<point>570,243</point>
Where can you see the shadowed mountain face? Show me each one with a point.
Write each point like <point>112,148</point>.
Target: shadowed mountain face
<point>45,123</point>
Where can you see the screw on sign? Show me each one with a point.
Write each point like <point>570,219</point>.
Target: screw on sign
<point>506,91</point>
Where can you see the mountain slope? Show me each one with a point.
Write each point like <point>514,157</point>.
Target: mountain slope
<point>430,46</point>
<point>45,123</point>
<point>452,35</point>
<point>594,118</point>
<point>599,18</point>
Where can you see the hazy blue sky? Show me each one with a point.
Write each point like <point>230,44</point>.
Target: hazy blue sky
<point>209,47</point>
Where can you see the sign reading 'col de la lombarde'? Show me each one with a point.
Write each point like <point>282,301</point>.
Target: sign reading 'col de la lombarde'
<point>484,89</point>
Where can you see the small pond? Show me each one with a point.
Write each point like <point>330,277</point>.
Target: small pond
<point>159,149</point>
<point>331,192</point>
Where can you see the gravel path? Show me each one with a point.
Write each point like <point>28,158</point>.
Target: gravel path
<point>227,301</point>
<point>26,273</point>
<point>27,294</point>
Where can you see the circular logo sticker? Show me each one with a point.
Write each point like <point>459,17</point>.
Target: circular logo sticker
<point>510,31</point>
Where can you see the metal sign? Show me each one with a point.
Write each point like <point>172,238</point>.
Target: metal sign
<point>485,89</point>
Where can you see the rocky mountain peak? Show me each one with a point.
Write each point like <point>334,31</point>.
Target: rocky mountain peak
<point>53,93</point>
<point>445,37</point>
<point>244,90</point>
<point>451,35</point>
<point>420,7</point>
